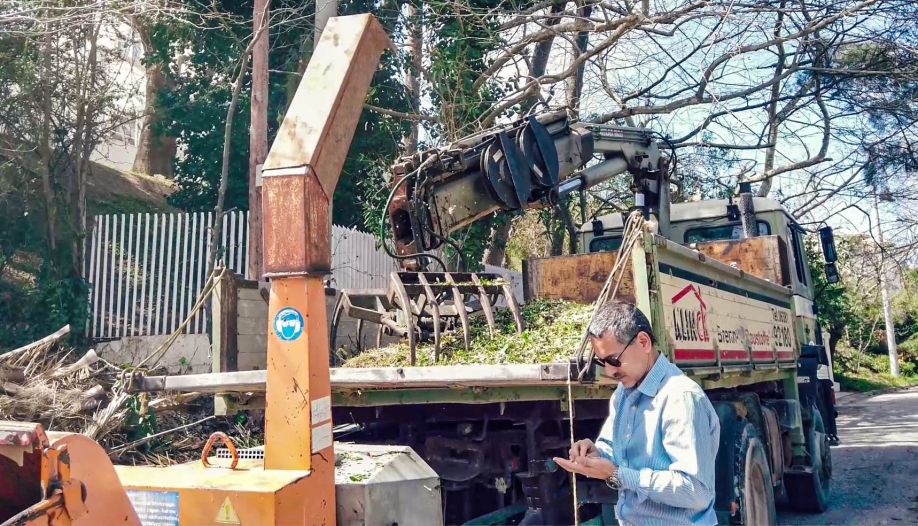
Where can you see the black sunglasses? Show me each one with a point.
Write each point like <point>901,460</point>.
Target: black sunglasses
<point>614,362</point>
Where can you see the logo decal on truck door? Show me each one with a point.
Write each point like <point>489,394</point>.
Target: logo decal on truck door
<point>690,324</point>
<point>720,321</point>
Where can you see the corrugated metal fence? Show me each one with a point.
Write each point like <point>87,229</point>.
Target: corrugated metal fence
<point>146,271</point>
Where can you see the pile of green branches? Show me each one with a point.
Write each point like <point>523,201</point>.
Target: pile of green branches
<point>553,329</point>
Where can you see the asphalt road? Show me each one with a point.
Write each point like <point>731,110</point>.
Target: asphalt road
<point>875,467</point>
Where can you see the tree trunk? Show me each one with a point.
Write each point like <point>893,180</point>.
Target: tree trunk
<point>293,81</point>
<point>227,136</point>
<point>258,136</point>
<point>413,76</point>
<point>575,83</point>
<point>45,146</point>
<point>325,9</point>
<point>497,243</point>
<point>500,233</point>
<point>83,145</point>
<point>155,154</point>
<point>774,119</point>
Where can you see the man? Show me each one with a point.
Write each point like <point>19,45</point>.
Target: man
<point>659,442</point>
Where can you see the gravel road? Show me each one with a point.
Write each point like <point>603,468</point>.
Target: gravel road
<point>875,468</point>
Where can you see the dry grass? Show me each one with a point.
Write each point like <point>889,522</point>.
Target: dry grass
<point>66,393</point>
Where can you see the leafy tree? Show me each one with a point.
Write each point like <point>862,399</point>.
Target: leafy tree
<point>195,108</point>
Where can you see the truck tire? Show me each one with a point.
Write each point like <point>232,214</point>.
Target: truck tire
<point>808,491</point>
<point>744,487</point>
<point>754,491</point>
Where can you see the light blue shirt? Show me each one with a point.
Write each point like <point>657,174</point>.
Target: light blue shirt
<point>663,436</point>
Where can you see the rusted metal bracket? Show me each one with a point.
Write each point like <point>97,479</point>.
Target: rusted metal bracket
<point>63,499</point>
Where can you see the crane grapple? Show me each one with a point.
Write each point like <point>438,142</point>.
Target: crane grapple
<point>530,163</point>
<point>421,306</point>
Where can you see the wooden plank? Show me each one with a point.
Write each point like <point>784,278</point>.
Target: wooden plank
<point>185,288</point>
<point>144,272</point>
<point>578,278</point>
<point>248,361</point>
<point>135,255</point>
<point>174,274</point>
<point>111,292</point>
<point>204,267</point>
<point>95,273</point>
<point>194,273</point>
<point>451,375</point>
<point>122,253</point>
<point>253,342</point>
<point>380,377</point>
<point>248,326</point>
<point>225,342</point>
<point>763,256</point>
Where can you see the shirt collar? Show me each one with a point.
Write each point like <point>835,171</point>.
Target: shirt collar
<point>655,376</point>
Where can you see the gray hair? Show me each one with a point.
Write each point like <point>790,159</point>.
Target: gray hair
<point>623,320</point>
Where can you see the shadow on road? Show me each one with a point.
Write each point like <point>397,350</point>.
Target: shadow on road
<point>875,468</point>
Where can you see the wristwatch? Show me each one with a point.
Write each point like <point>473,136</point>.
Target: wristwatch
<point>613,482</point>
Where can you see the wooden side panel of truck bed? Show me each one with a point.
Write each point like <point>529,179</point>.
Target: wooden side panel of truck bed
<point>578,278</point>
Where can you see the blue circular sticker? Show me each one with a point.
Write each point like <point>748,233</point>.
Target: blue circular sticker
<point>288,324</point>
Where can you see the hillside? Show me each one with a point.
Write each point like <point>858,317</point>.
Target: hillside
<point>111,191</point>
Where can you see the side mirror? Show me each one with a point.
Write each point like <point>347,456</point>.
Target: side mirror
<point>831,273</point>
<point>828,245</point>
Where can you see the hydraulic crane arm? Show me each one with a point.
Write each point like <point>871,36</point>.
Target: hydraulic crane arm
<point>531,163</point>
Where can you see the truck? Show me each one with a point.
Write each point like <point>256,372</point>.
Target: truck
<point>727,287</point>
<point>725,283</point>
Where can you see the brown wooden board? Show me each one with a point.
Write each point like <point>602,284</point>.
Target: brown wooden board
<point>764,256</point>
<point>578,278</point>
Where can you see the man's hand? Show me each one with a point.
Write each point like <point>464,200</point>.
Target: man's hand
<point>594,467</point>
<point>583,448</point>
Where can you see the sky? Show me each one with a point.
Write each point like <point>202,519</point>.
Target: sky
<point>634,59</point>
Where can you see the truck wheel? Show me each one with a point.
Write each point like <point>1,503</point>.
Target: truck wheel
<point>755,494</point>
<point>808,491</point>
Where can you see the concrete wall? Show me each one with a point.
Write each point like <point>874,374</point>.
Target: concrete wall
<point>252,327</point>
<point>190,353</point>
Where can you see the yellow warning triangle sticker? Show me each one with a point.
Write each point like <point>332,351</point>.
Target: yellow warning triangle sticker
<point>226,514</point>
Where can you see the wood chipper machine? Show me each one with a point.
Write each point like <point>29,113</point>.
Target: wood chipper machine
<point>65,478</point>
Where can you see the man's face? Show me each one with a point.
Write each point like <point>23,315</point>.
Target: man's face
<point>634,359</point>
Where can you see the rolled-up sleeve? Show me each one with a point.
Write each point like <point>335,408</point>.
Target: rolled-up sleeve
<point>690,434</point>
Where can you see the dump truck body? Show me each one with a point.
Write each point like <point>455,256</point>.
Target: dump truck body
<point>732,314</point>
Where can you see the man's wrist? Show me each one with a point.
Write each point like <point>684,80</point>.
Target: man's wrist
<point>612,481</point>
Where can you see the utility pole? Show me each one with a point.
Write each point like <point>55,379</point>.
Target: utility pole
<point>258,136</point>
<point>887,308</point>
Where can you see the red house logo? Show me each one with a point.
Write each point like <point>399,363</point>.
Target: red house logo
<point>690,323</point>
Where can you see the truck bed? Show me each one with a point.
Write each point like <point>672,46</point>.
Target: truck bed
<point>722,326</point>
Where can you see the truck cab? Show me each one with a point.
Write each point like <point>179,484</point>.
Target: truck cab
<point>695,223</point>
<point>698,222</point>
